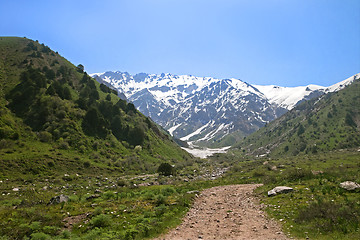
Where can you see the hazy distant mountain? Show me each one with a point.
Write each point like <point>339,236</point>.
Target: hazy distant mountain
<point>205,110</point>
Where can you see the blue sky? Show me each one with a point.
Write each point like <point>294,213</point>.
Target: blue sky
<point>281,42</point>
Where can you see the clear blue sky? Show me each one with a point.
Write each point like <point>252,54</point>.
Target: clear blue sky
<point>282,42</point>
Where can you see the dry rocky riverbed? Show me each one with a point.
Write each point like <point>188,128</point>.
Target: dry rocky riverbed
<point>226,212</point>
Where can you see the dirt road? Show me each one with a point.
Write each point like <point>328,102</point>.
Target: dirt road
<point>226,212</point>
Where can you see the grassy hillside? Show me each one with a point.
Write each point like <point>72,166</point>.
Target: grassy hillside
<point>319,125</point>
<point>48,105</point>
<point>61,132</point>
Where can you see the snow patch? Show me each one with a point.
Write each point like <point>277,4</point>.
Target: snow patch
<point>205,152</point>
<point>173,128</point>
<point>198,131</point>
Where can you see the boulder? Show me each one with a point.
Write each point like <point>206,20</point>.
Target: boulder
<point>348,185</point>
<point>279,189</point>
<point>59,199</point>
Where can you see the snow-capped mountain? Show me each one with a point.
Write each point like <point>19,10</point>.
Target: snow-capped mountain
<point>205,110</point>
<point>289,97</point>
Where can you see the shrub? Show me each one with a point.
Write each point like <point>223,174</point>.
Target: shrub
<point>45,136</point>
<point>165,169</point>
<point>167,191</point>
<point>40,236</point>
<point>64,145</point>
<point>100,221</point>
<point>297,174</point>
<point>87,164</point>
<point>97,211</point>
<point>121,183</point>
<point>160,199</point>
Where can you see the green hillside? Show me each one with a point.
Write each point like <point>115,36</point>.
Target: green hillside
<point>61,132</point>
<point>53,111</point>
<point>320,125</point>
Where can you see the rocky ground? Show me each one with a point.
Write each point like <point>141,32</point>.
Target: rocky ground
<point>226,212</point>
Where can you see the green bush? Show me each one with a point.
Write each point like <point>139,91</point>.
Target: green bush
<point>295,174</point>
<point>87,164</point>
<point>101,221</point>
<point>167,191</point>
<point>165,169</point>
<point>45,136</point>
<point>40,236</point>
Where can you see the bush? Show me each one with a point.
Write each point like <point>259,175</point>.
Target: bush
<point>45,136</point>
<point>121,183</point>
<point>100,221</point>
<point>165,169</point>
<point>167,191</point>
<point>160,199</point>
<point>40,236</point>
<point>297,174</point>
<point>64,145</point>
<point>87,164</point>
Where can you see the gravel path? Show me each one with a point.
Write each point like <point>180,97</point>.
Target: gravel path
<point>226,212</point>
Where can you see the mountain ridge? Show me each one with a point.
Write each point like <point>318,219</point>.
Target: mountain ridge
<point>323,124</point>
<point>208,111</point>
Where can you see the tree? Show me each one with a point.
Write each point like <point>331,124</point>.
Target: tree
<point>165,169</point>
<point>94,123</point>
<point>67,93</point>
<point>349,121</point>
<point>301,130</point>
<point>117,128</point>
<point>136,136</point>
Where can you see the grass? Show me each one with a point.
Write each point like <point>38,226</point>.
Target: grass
<point>108,210</point>
<point>110,205</point>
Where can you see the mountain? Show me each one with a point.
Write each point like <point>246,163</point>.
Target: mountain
<point>289,97</point>
<point>200,110</point>
<point>322,124</point>
<point>48,105</point>
<point>207,111</point>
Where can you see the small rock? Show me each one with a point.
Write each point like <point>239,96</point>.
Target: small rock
<point>16,189</point>
<point>97,191</point>
<point>191,192</point>
<point>279,189</point>
<point>348,185</point>
<point>59,199</point>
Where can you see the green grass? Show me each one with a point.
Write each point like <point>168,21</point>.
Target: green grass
<point>317,208</point>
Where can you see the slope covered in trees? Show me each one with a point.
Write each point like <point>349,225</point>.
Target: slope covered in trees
<point>49,105</point>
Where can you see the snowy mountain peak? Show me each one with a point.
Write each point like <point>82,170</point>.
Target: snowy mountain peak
<point>289,97</point>
<point>209,111</point>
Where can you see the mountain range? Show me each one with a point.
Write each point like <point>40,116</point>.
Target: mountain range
<point>206,111</point>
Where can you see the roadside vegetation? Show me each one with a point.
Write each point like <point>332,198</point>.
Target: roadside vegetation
<point>318,208</point>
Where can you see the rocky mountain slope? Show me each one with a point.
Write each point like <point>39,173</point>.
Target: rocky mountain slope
<point>207,111</point>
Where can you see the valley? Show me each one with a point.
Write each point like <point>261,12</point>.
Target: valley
<point>82,160</point>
